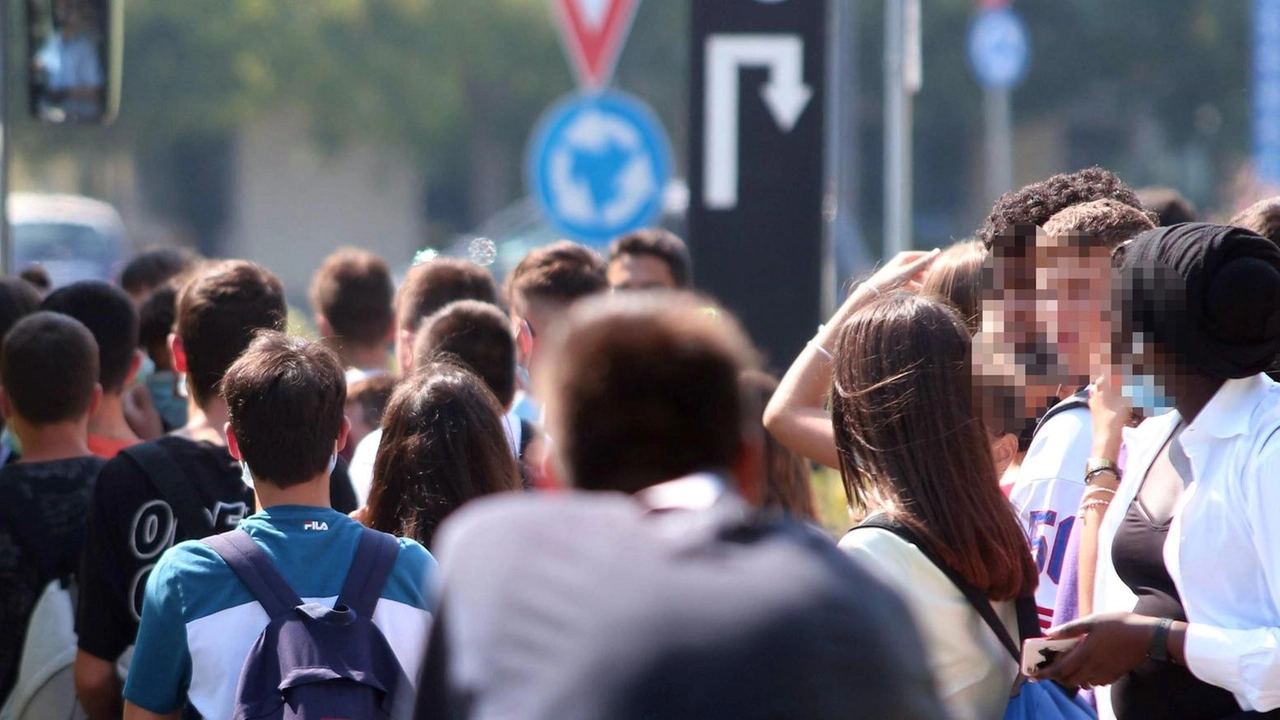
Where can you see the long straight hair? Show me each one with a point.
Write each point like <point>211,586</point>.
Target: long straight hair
<point>442,444</point>
<point>912,446</point>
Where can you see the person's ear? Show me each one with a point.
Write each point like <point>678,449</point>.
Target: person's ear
<point>747,470</point>
<point>233,445</point>
<point>178,353</point>
<point>6,405</point>
<point>135,364</point>
<point>524,339</point>
<point>323,327</point>
<point>343,433</point>
<point>404,351</point>
<point>95,401</point>
<point>1004,450</point>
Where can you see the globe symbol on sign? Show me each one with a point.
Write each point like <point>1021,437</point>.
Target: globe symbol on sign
<point>598,166</point>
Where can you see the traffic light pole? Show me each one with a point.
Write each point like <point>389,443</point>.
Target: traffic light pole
<point>5,242</point>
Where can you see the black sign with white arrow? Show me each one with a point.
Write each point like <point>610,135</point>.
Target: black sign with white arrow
<point>756,164</point>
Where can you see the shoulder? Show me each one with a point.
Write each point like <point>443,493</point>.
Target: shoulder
<point>413,574</point>
<point>1060,448</point>
<point>508,519</point>
<point>899,563</point>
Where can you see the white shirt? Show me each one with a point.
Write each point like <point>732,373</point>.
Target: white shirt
<point>361,468</point>
<point>355,374</point>
<point>1047,493</point>
<point>973,670</point>
<point>1223,549</point>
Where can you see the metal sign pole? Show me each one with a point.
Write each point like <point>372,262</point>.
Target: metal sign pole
<point>999,141</point>
<point>6,256</point>
<point>902,78</point>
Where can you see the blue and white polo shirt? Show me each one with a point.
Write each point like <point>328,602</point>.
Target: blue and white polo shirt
<point>199,621</point>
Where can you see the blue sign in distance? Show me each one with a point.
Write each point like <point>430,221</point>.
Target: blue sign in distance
<point>597,166</point>
<point>999,48</point>
<point>1266,90</point>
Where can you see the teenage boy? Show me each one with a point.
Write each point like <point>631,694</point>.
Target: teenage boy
<point>17,300</point>
<point>1073,260</point>
<point>150,270</point>
<point>48,390</point>
<point>181,486</point>
<point>285,425</point>
<point>351,296</point>
<point>649,259</point>
<point>645,600</point>
<point>112,318</point>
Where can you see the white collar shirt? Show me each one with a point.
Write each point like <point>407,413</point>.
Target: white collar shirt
<point>1223,548</point>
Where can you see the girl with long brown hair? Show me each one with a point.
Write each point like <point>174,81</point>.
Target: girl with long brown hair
<point>442,445</point>
<point>912,448</point>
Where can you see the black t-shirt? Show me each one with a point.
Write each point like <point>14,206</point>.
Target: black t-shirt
<point>131,525</point>
<point>42,523</point>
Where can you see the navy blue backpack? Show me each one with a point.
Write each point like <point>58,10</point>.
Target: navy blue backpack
<point>313,661</point>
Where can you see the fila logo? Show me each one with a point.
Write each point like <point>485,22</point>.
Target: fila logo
<point>315,525</point>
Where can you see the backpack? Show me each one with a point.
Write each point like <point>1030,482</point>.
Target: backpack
<point>1045,700</point>
<point>1078,400</point>
<point>312,661</point>
<point>45,687</point>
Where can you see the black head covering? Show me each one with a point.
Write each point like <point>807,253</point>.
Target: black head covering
<point>1210,294</point>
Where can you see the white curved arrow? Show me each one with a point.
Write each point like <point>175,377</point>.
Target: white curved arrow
<point>785,94</point>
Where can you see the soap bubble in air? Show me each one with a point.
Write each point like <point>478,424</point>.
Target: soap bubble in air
<point>425,255</point>
<point>483,252</point>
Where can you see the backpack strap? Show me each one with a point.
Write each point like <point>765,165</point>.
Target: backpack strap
<point>174,486</point>
<point>251,564</point>
<point>980,603</point>
<point>375,558</point>
<point>1079,400</point>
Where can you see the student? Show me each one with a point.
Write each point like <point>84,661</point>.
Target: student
<point>351,296</point>
<point>111,317</point>
<point>151,270</point>
<point>643,597</point>
<point>285,426</point>
<point>443,445</point>
<point>540,290</point>
<point>133,521</point>
<point>649,259</point>
<point>366,403</point>
<point>913,450</point>
<point>429,286</point>
<point>1169,205</point>
<point>17,300</point>
<point>1262,217</point>
<point>1186,582</point>
<point>1073,278</point>
<point>48,389</point>
<point>478,336</point>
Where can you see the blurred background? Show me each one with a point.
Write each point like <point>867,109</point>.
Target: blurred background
<point>279,129</point>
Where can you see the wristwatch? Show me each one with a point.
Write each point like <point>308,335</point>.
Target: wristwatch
<point>1159,650</point>
<point>1097,466</point>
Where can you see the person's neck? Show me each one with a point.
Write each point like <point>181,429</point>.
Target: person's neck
<point>108,422</point>
<point>206,422</point>
<point>55,441</point>
<point>366,358</point>
<point>312,493</point>
<point>1195,395</point>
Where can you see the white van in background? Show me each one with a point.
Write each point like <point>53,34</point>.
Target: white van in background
<point>73,237</point>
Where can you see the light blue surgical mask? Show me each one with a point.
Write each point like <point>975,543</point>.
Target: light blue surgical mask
<point>163,386</point>
<point>1147,394</point>
<point>145,370</point>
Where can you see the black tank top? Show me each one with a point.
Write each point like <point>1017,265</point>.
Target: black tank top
<point>1160,690</point>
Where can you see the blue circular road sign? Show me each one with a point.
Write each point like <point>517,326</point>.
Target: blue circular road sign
<point>999,48</point>
<point>597,165</point>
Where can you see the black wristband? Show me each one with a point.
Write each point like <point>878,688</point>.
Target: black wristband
<point>1159,649</point>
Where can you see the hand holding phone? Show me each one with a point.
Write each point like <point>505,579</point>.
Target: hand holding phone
<point>1038,653</point>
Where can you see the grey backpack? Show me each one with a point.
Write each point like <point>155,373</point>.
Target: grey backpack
<point>313,661</point>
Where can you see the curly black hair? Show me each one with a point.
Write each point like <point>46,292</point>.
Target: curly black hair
<point>1037,202</point>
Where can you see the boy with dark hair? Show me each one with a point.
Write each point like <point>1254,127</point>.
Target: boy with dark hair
<point>643,396</point>
<point>180,486</point>
<point>48,390</point>
<point>351,296</point>
<point>113,320</point>
<point>151,269</point>
<point>649,258</point>
<point>38,277</point>
<point>285,400</point>
<point>1037,202</point>
<point>156,320</point>
<point>366,402</point>
<point>17,300</point>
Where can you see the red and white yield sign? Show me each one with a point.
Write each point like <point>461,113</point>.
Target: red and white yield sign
<point>594,32</point>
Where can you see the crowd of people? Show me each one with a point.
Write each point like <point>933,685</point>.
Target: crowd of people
<point>577,494</point>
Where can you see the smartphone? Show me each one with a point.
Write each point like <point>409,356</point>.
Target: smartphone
<point>1039,652</point>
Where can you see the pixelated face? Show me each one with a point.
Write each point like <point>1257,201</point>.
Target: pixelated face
<point>639,272</point>
<point>1074,280</point>
<point>1150,380</point>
